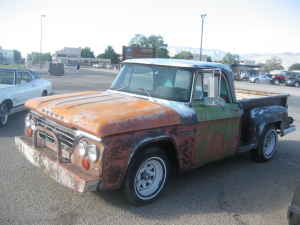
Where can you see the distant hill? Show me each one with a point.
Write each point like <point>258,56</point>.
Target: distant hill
<point>288,58</point>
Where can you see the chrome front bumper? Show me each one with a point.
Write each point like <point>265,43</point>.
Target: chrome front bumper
<point>66,174</point>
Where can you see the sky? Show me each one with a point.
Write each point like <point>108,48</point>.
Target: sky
<point>237,26</point>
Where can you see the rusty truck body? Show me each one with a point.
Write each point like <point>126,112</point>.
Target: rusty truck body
<point>159,114</point>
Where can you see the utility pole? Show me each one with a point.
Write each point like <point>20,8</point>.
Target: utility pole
<point>202,19</point>
<point>40,62</point>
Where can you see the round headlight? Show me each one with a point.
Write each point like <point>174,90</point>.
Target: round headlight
<point>93,153</point>
<point>82,147</point>
<point>33,126</point>
<point>28,121</point>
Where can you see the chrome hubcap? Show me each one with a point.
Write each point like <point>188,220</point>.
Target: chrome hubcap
<point>270,143</point>
<point>150,178</point>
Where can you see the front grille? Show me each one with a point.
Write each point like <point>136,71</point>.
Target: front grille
<point>65,135</point>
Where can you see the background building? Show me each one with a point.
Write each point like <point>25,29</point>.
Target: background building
<point>72,56</point>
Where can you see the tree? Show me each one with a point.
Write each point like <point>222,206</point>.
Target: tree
<point>36,57</point>
<point>139,40</point>
<point>184,55</point>
<point>110,54</point>
<point>273,64</point>
<point>153,41</point>
<point>17,57</point>
<point>231,59</point>
<point>295,66</point>
<point>209,59</point>
<point>87,53</point>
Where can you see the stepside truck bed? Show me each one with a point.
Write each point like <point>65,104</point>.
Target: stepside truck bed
<point>266,103</point>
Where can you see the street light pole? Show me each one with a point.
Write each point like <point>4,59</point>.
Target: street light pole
<point>40,62</point>
<point>202,19</point>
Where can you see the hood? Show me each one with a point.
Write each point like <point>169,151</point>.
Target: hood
<point>104,113</point>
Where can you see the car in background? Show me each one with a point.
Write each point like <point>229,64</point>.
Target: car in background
<point>293,80</point>
<point>279,78</point>
<point>16,87</point>
<point>261,78</point>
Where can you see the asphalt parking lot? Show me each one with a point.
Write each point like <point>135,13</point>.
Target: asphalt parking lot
<point>236,191</point>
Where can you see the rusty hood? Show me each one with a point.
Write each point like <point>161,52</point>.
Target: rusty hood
<point>104,113</point>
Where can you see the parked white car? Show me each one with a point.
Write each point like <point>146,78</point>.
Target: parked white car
<point>262,79</point>
<point>18,86</point>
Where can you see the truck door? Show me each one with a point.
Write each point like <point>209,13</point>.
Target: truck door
<point>218,125</point>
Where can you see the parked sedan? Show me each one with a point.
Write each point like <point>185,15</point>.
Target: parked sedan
<point>293,80</point>
<point>262,79</point>
<point>18,86</point>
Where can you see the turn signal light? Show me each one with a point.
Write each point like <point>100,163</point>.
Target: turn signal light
<point>86,164</point>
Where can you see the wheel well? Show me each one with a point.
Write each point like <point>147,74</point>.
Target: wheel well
<point>165,145</point>
<point>8,102</point>
<point>277,125</point>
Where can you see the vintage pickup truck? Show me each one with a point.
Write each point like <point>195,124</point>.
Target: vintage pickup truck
<point>16,87</point>
<point>158,115</point>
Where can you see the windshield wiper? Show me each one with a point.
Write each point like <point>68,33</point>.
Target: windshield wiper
<point>146,91</point>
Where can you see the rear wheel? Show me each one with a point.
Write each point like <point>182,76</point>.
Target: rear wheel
<point>147,177</point>
<point>276,82</point>
<point>267,145</point>
<point>297,84</point>
<point>256,81</point>
<point>4,113</point>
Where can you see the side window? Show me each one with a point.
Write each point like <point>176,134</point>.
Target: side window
<point>224,93</point>
<point>211,84</point>
<point>23,78</point>
<point>198,89</point>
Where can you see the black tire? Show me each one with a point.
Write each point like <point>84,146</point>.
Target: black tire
<point>4,114</point>
<point>135,170</point>
<point>297,84</point>
<point>45,93</point>
<point>276,82</point>
<point>264,153</point>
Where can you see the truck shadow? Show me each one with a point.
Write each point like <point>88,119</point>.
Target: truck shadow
<point>235,186</point>
<point>15,126</point>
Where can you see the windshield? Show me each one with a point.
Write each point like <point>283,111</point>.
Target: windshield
<point>156,81</point>
<point>7,77</point>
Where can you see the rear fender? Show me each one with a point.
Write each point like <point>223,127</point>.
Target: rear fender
<point>263,116</point>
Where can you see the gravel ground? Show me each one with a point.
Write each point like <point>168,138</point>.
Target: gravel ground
<point>236,191</point>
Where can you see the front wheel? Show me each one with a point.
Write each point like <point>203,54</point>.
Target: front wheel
<point>276,82</point>
<point>147,177</point>
<point>267,145</point>
<point>4,113</point>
